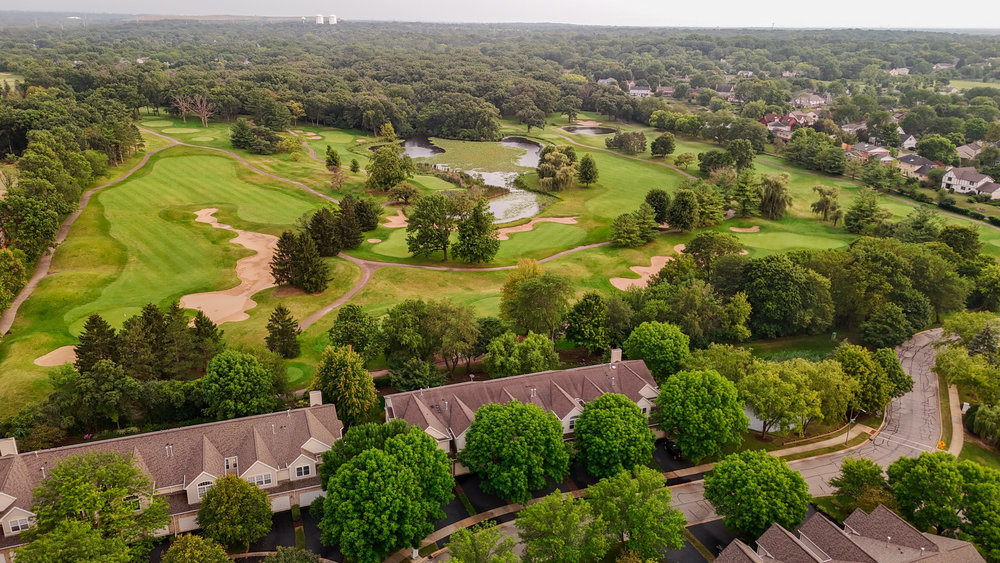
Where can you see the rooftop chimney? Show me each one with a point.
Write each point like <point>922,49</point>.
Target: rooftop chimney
<point>315,398</point>
<point>616,355</point>
<point>8,447</point>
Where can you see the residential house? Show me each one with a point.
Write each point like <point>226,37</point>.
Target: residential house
<point>944,66</point>
<point>879,537</point>
<point>964,180</point>
<point>909,142</point>
<point>665,91</point>
<point>869,152</point>
<point>804,118</point>
<point>812,100</point>
<point>854,128</point>
<point>902,71</point>
<point>775,122</point>
<point>639,91</point>
<point>727,91</point>
<point>446,412</point>
<point>745,73</point>
<point>915,166</point>
<point>970,150</point>
<point>607,82</point>
<point>789,74</point>
<point>279,452</point>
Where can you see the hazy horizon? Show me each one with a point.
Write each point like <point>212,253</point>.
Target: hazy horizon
<point>786,14</point>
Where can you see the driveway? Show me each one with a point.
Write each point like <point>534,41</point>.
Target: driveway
<point>912,426</point>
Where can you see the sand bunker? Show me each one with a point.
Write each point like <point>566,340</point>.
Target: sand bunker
<point>645,273</point>
<point>360,140</point>
<point>587,123</point>
<point>753,229</point>
<point>297,131</point>
<point>254,273</point>
<point>374,240</point>
<point>680,248</point>
<point>396,221</point>
<point>57,357</point>
<point>744,252</point>
<point>530,225</point>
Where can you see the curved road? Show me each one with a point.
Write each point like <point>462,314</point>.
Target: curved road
<point>912,425</point>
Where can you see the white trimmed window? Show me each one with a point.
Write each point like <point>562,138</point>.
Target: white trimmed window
<point>18,525</point>
<point>260,480</point>
<point>644,410</point>
<point>302,471</point>
<point>572,422</point>
<point>232,463</point>
<point>203,488</point>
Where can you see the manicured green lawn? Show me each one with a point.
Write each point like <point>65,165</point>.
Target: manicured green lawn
<point>975,450</point>
<point>966,84</point>
<point>10,78</point>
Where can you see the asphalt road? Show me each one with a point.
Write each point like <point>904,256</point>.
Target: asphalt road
<point>912,426</point>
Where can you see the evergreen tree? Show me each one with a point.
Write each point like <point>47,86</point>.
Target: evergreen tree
<point>312,274</point>
<point>240,134</point>
<point>141,344</point>
<point>324,229</point>
<point>332,158</point>
<point>349,229</point>
<point>368,214</point>
<point>684,212</point>
<point>283,262</point>
<point>587,173</point>
<point>355,167</point>
<point>282,333</point>
<point>659,200</point>
<point>207,340</point>
<point>645,220</point>
<point>178,344</point>
<point>477,235</point>
<point>97,342</point>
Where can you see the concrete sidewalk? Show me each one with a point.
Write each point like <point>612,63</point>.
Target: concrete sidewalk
<point>957,425</point>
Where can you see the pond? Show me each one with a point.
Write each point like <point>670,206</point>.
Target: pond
<point>416,147</point>
<point>517,203</point>
<point>587,130</point>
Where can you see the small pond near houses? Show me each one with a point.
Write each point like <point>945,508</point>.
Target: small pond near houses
<point>588,130</point>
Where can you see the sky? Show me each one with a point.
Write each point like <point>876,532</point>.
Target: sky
<point>921,14</point>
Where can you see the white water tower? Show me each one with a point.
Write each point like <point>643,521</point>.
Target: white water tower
<point>332,20</point>
<point>319,19</point>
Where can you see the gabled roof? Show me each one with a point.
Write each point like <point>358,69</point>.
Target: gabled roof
<point>780,544</point>
<point>969,174</point>
<point>883,523</point>
<point>915,160</point>
<point>835,542</point>
<point>988,188</point>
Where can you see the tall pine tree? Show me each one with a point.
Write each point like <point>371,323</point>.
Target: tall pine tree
<point>349,227</point>
<point>332,158</point>
<point>97,342</point>
<point>141,344</point>
<point>178,344</point>
<point>324,229</point>
<point>282,264</point>
<point>207,340</point>
<point>477,235</point>
<point>587,173</point>
<point>282,333</point>
<point>311,273</point>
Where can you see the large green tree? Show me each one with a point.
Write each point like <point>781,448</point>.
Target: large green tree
<point>706,247</point>
<point>587,323</point>
<point>283,333</point>
<point>190,548</point>
<point>80,542</point>
<point>561,529</point>
<point>358,329</point>
<point>587,172</point>
<point>752,490</point>
<point>861,484</point>
<point>342,378</point>
<point>235,512</point>
<point>385,169</point>
<point>237,384</point>
<point>429,227</point>
<point>536,303</point>
<point>702,411</point>
<point>477,235</point>
<point>874,388</point>
<point>514,447</point>
<point>662,346</point>
<point>635,508</point>
<point>98,341</point>
<point>613,435</point>
<point>482,543</point>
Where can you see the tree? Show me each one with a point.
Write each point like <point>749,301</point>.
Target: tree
<point>477,235</point>
<point>358,438</point>
<point>752,490</point>
<point>587,323</point>
<point>928,490</point>
<point>416,374</point>
<point>235,385</point>
<point>536,303</point>
<point>662,346</point>
<point>235,512</point>
<point>292,555</point>
<point>387,498</point>
<point>561,529</point>
<point>742,153</point>
<point>684,212</point>
<point>886,327</point>
<point>323,228</point>
<point>505,356</point>
<point>13,273</point>
<point>853,167</point>
<point>827,204</point>
<point>706,247</point>
<point>775,396</point>
<point>613,435</point>
<point>785,298</point>
<point>635,508</point>
<point>874,389</point>
<point>355,328</point>
<point>663,145</point>
<point>385,168</point>
<point>73,540</point>
<point>684,160</point>
<point>429,226</point>
<point>344,381</point>
<point>514,447</point>
<point>403,193</point>
<point>482,543</point>
<point>104,391</point>
<point>659,200</point>
<point>355,167</point>
<point>283,333</point>
<point>962,239</point>
<point>938,148</point>
<point>900,382</point>
<point>866,216</point>
<point>349,228</point>
<point>713,160</point>
<point>635,229</point>
<point>332,158</point>
<point>368,213</point>
<point>860,484</point>
<point>93,490</point>
<point>702,411</point>
<point>189,548</point>
<point>98,341</point>
<point>587,172</point>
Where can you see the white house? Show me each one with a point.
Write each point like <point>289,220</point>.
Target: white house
<point>319,19</point>
<point>332,20</point>
<point>966,180</point>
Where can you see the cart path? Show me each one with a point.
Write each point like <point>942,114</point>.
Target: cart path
<point>42,268</point>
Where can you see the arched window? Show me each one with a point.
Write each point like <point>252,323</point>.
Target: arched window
<point>203,488</point>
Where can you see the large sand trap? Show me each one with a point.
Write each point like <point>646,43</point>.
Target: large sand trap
<point>396,221</point>
<point>680,248</point>
<point>254,273</point>
<point>584,123</point>
<point>530,225</point>
<point>374,240</point>
<point>645,273</point>
<point>753,229</point>
<point>57,357</point>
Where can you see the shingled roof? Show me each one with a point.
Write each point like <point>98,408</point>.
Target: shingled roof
<point>451,408</point>
<point>177,456</point>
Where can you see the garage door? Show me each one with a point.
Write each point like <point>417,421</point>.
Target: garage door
<point>187,523</point>
<point>305,499</point>
<point>279,504</point>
